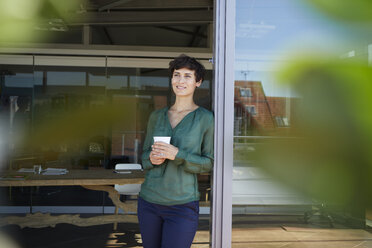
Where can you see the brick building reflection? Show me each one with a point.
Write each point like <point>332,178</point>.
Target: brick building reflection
<point>258,114</point>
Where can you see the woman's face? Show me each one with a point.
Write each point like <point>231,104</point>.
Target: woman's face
<point>184,82</point>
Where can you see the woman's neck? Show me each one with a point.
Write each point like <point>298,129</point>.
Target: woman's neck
<point>183,104</point>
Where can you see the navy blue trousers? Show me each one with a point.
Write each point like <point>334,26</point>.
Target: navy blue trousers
<point>167,226</point>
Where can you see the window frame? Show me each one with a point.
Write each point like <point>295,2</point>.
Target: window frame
<point>245,89</point>
<point>224,51</point>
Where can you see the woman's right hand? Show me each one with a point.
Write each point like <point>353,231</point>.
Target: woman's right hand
<point>155,159</point>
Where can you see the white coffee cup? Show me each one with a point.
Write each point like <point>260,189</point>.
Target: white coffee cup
<point>165,139</point>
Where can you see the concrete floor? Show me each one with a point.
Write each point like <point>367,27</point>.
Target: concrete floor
<point>246,234</point>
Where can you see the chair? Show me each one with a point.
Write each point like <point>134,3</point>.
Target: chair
<point>128,189</point>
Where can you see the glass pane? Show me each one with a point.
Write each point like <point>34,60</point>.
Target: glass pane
<point>141,91</point>
<point>86,118</point>
<point>16,89</point>
<point>60,93</point>
<point>269,117</point>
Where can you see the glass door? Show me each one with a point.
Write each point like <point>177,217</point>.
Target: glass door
<point>85,113</point>
<point>291,62</point>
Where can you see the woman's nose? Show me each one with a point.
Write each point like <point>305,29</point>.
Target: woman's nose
<point>182,79</point>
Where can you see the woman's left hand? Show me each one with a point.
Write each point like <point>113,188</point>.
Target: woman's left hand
<point>165,150</point>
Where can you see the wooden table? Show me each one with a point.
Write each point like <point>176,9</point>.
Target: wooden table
<point>91,179</point>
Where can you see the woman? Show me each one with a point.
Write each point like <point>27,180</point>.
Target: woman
<point>168,206</point>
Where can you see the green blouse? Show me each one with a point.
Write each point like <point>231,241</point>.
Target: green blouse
<point>175,181</point>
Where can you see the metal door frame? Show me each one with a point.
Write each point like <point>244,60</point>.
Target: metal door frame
<point>224,47</point>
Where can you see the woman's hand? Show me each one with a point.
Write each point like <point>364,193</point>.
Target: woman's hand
<point>155,158</point>
<point>164,150</point>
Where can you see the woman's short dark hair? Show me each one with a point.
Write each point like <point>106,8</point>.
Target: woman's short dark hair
<point>184,61</point>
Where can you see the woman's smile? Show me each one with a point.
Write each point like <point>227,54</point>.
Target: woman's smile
<point>184,82</point>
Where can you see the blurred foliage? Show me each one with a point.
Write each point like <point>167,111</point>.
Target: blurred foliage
<point>6,242</point>
<point>19,19</point>
<point>348,11</point>
<point>329,156</point>
<point>76,126</point>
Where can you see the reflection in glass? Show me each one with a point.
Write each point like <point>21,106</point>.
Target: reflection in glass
<point>268,112</point>
<point>80,117</point>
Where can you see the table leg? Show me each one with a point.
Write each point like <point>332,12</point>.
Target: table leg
<point>39,220</point>
<point>128,207</point>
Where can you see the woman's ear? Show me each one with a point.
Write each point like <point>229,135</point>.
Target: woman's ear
<point>198,84</point>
